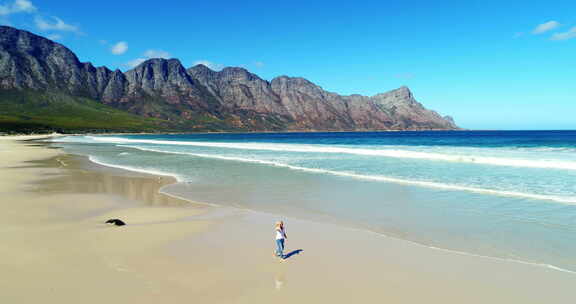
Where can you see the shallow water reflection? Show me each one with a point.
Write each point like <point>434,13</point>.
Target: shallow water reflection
<point>84,177</point>
<point>280,280</point>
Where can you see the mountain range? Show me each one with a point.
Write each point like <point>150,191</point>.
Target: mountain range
<point>43,86</point>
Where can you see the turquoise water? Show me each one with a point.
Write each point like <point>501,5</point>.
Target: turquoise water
<point>504,194</point>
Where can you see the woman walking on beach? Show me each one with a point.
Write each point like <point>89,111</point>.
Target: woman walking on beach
<point>280,237</point>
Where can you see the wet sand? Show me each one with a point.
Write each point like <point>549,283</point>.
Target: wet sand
<point>56,248</point>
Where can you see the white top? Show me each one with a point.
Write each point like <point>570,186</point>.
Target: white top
<point>280,234</point>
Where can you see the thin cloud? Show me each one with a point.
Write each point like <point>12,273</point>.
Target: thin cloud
<point>148,54</point>
<point>42,22</point>
<point>259,64</point>
<point>134,63</point>
<point>157,54</point>
<point>119,48</point>
<point>57,24</point>
<point>18,6</point>
<point>54,36</point>
<point>209,64</point>
<point>565,35</point>
<point>545,27</point>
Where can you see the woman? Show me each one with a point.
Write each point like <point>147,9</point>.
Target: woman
<point>280,237</point>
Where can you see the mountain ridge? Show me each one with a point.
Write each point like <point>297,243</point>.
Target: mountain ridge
<point>201,99</point>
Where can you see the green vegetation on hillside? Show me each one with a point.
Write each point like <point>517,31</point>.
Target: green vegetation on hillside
<point>26,111</point>
<point>30,111</point>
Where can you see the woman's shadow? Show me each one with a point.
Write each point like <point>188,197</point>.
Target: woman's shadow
<point>293,252</point>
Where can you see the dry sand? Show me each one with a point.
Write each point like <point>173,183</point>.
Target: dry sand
<point>56,249</point>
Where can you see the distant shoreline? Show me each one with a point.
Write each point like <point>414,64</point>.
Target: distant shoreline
<point>227,132</point>
<point>33,135</point>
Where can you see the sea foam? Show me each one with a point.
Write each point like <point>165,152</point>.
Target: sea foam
<point>393,153</point>
<point>561,199</point>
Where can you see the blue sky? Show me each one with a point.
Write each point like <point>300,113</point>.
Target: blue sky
<point>489,64</point>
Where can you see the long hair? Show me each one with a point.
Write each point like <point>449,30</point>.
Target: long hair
<point>279,225</point>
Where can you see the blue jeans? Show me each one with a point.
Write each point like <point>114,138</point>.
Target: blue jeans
<point>280,248</point>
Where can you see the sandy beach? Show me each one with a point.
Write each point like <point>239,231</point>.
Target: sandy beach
<point>57,249</point>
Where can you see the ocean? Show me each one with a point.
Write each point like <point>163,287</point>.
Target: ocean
<point>508,195</point>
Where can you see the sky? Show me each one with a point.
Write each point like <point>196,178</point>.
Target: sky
<point>489,64</point>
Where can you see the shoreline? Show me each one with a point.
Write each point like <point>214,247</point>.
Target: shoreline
<point>423,184</point>
<point>365,262</point>
<point>58,207</point>
<point>383,234</point>
<point>522,257</point>
<point>362,230</point>
<point>55,134</point>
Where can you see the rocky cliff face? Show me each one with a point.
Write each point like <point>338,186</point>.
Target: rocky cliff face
<point>162,88</point>
<point>233,97</point>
